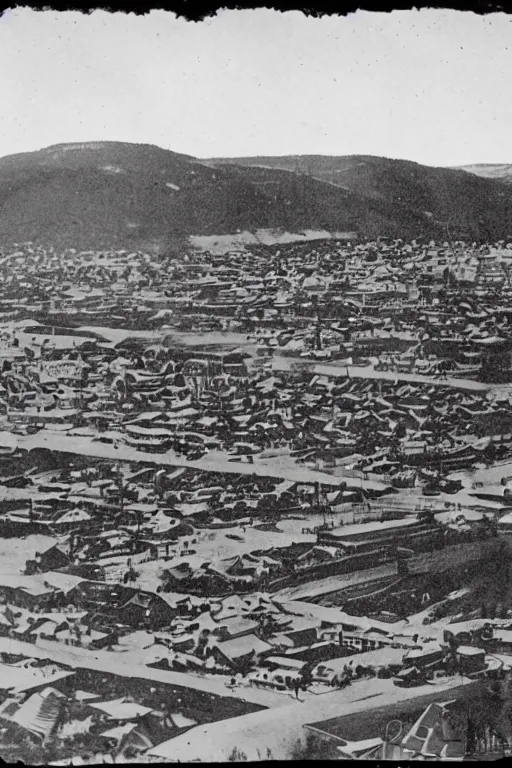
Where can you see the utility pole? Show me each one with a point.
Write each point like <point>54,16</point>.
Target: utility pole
<point>120,486</point>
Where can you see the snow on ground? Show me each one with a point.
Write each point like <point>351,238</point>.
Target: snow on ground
<point>357,372</point>
<point>60,341</point>
<point>417,618</point>
<point>132,664</point>
<point>488,476</point>
<point>214,544</point>
<point>218,244</point>
<point>258,732</point>
<point>15,552</point>
<point>213,338</point>
<point>20,494</point>
<point>212,462</point>
<point>116,335</point>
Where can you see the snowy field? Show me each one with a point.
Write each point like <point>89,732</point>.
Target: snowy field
<point>15,552</point>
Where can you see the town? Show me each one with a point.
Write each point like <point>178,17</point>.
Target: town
<point>256,501</point>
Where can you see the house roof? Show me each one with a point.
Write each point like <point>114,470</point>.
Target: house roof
<point>286,663</point>
<point>64,582</point>
<point>378,658</point>
<point>85,695</point>
<point>470,650</point>
<point>242,646</point>
<point>121,709</point>
<point>237,625</point>
<point>40,712</point>
<point>119,732</point>
<point>24,678</point>
<point>373,527</point>
<point>74,516</point>
<point>425,650</point>
<point>30,584</point>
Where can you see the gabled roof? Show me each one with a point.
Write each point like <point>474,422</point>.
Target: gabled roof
<point>242,646</point>
<point>40,712</point>
<point>63,582</point>
<point>121,709</point>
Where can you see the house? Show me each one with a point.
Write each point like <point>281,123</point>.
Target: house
<point>424,657</point>
<point>236,627</point>
<point>63,584</point>
<point>470,659</point>
<point>505,526</point>
<point>33,629</point>
<point>131,738</point>
<point>147,609</point>
<point>302,636</point>
<point>229,607</point>
<point>501,640</point>
<point>321,651</point>
<point>241,650</point>
<point>39,714</point>
<point>128,739</point>
<point>283,662</point>
<point>367,639</point>
<point>379,659</point>
<point>51,559</point>
<point>85,636</point>
<point>25,591</point>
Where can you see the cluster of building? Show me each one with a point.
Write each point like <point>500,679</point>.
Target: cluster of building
<point>209,463</point>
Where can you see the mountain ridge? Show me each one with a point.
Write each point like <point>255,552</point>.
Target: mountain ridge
<point>498,171</point>
<point>101,194</point>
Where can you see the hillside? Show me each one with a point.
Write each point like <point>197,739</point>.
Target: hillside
<point>471,207</point>
<point>499,172</point>
<point>111,194</point>
<point>103,194</point>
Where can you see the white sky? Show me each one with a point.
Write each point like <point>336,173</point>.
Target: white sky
<point>429,85</point>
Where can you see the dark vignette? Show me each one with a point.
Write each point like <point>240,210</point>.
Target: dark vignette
<point>198,10</point>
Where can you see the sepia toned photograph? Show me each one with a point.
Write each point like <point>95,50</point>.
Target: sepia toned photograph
<point>255,387</point>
